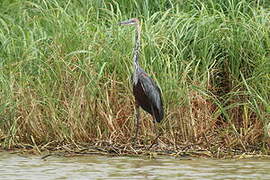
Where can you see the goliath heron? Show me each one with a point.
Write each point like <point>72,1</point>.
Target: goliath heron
<point>147,93</point>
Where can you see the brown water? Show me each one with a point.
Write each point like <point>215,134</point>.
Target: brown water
<point>14,166</point>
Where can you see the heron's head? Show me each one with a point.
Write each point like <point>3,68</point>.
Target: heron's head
<point>133,21</point>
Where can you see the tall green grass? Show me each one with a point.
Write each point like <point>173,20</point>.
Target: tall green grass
<point>65,70</point>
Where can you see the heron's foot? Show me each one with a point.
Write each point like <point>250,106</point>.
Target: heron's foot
<point>134,140</point>
<point>155,141</point>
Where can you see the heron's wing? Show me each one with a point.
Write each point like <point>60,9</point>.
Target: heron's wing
<point>151,90</point>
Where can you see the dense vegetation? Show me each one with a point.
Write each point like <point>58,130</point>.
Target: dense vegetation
<point>65,71</point>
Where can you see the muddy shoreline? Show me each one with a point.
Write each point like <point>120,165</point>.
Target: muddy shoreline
<point>184,151</point>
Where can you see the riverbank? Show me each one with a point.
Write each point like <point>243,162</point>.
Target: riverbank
<point>152,151</point>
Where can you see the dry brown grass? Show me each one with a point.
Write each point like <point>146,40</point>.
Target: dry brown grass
<point>77,117</point>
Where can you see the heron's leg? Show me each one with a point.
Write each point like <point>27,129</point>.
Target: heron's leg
<point>137,111</point>
<point>155,127</point>
<point>155,141</point>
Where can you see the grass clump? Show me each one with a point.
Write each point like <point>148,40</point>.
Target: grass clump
<point>65,71</point>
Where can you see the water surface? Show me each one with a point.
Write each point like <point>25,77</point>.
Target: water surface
<point>13,166</point>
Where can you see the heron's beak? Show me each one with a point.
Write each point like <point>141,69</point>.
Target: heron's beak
<point>128,22</point>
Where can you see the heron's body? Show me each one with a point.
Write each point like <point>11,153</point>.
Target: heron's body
<point>147,94</point>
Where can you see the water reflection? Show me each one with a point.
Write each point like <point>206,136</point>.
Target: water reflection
<point>99,167</point>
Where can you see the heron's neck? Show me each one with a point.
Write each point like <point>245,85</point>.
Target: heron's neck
<point>137,47</point>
